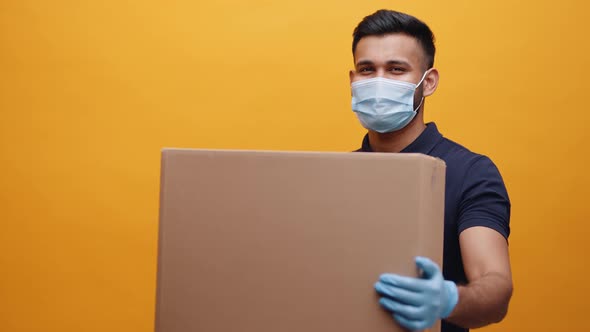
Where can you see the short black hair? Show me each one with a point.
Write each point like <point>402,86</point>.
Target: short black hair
<point>384,22</point>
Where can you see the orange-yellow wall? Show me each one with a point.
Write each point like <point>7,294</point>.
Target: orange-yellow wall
<point>90,91</point>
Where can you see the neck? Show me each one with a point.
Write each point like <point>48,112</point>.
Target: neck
<point>398,140</point>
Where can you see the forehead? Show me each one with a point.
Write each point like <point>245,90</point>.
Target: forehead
<point>380,49</point>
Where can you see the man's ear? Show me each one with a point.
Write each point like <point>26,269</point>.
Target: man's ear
<point>351,75</point>
<point>430,82</point>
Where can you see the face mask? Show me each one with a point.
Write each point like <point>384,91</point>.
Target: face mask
<point>384,105</point>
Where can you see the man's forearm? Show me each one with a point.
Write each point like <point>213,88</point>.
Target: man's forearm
<point>483,301</point>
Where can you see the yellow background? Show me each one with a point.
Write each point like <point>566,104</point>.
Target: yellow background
<point>92,90</point>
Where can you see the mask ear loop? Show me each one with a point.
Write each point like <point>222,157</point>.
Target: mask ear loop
<point>417,85</point>
<point>419,105</point>
<point>423,77</point>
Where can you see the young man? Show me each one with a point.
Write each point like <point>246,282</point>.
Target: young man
<point>393,60</point>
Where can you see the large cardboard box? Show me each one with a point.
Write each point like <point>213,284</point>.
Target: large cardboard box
<point>259,241</point>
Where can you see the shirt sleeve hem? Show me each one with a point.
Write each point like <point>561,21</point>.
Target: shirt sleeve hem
<point>484,223</point>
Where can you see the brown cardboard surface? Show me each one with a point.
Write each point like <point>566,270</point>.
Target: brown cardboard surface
<point>290,241</point>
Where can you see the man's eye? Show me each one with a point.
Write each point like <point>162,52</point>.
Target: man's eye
<point>366,70</point>
<point>397,69</point>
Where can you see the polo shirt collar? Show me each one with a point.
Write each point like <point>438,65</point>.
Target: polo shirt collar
<point>427,140</point>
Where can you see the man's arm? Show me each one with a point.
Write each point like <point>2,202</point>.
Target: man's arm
<point>483,223</point>
<point>416,303</point>
<point>484,300</point>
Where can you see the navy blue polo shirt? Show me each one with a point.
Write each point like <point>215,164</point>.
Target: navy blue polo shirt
<point>475,195</point>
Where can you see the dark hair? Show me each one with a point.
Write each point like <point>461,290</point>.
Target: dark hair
<point>384,22</point>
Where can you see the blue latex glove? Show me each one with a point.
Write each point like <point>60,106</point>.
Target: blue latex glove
<point>417,303</point>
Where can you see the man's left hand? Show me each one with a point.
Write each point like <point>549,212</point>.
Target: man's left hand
<point>417,303</point>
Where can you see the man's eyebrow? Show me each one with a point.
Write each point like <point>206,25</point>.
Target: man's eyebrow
<point>399,62</point>
<point>389,63</point>
<point>364,63</point>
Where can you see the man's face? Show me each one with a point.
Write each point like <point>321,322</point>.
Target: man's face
<point>394,56</point>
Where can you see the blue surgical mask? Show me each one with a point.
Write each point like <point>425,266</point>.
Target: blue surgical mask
<point>384,105</point>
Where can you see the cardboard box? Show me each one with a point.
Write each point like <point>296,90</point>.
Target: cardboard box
<point>260,241</point>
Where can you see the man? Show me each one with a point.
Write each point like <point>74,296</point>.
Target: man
<point>393,74</point>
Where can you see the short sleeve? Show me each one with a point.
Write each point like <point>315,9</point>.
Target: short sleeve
<point>484,200</point>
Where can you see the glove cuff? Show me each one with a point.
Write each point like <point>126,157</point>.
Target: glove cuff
<point>452,298</point>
